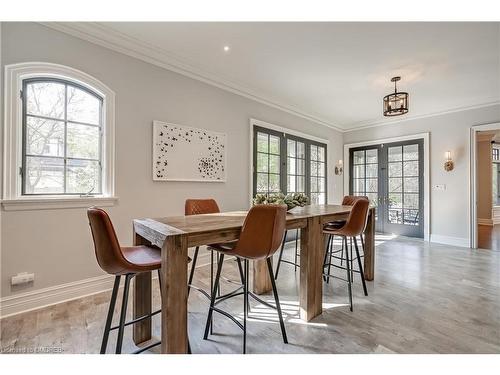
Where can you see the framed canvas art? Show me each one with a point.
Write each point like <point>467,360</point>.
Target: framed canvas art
<point>183,153</point>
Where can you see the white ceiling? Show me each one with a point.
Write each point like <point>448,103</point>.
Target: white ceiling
<point>333,73</point>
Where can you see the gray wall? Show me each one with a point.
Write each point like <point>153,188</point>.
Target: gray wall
<point>56,244</point>
<point>449,208</point>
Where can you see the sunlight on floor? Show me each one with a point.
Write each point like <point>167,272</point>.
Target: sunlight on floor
<point>264,314</point>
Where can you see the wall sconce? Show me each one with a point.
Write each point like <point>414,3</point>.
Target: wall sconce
<point>338,168</point>
<point>448,164</point>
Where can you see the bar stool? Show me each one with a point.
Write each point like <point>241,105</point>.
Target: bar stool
<point>353,227</point>
<point>348,200</point>
<point>260,237</point>
<point>120,261</point>
<point>280,257</point>
<point>200,207</point>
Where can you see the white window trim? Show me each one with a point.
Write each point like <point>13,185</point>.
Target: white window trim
<point>12,158</point>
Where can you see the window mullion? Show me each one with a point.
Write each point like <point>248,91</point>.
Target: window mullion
<point>283,164</point>
<point>65,137</point>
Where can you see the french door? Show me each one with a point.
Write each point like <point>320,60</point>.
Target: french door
<point>391,176</point>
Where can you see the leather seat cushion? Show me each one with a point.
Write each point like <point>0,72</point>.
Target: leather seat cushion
<point>142,258</point>
<point>334,225</point>
<point>225,247</point>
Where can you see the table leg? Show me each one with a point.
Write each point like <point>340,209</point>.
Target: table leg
<point>261,281</point>
<point>174,270</point>
<point>142,301</point>
<point>369,266</point>
<point>311,269</point>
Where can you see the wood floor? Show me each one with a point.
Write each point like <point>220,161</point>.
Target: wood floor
<point>488,237</point>
<point>426,298</point>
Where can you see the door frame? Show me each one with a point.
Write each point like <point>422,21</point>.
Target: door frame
<point>427,184</point>
<point>473,178</point>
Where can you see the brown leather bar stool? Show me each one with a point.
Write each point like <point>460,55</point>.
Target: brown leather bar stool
<point>260,237</point>
<point>200,207</point>
<point>353,227</point>
<point>348,200</point>
<point>120,261</point>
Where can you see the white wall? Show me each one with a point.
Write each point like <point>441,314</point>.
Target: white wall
<point>56,244</point>
<point>449,208</point>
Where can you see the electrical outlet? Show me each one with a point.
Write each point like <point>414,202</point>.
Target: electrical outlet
<point>22,278</point>
<point>440,187</point>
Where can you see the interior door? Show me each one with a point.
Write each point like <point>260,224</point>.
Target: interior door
<point>391,176</point>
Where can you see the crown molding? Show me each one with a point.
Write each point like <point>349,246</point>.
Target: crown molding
<point>109,38</point>
<point>377,123</point>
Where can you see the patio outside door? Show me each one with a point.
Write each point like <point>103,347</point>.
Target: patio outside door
<point>391,175</point>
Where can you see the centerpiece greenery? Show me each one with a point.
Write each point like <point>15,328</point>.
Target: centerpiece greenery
<point>291,200</point>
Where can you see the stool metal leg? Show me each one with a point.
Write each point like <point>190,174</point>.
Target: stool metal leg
<point>211,284</point>
<point>123,313</point>
<point>277,301</point>
<point>296,247</point>
<point>193,266</point>
<point>109,319</point>
<point>213,296</point>
<point>360,267</point>
<point>330,250</point>
<point>352,263</point>
<point>218,286</point>
<point>245,305</point>
<point>327,251</point>
<point>240,269</point>
<point>280,257</point>
<point>159,282</point>
<point>347,262</point>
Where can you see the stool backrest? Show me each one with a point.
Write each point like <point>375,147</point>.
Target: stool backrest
<point>356,222</point>
<point>107,248</point>
<point>262,231</point>
<point>350,199</point>
<point>200,206</point>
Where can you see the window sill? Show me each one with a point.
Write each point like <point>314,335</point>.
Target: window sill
<point>53,203</point>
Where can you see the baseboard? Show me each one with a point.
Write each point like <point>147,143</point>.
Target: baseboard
<point>37,299</point>
<point>485,221</point>
<point>448,240</point>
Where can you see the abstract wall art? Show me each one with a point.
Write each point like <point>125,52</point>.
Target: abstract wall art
<point>183,153</point>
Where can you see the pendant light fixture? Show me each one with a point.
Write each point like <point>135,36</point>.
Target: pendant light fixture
<point>397,103</point>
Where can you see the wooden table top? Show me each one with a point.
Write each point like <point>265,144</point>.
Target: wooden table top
<point>198,224</point>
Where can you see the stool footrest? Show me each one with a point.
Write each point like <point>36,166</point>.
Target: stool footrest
<point>137,320</point>
<point>147,347</point>
<point>226,314</point>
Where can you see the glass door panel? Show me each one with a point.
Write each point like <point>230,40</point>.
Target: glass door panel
<point>365,172</point>
<point>391,176</point>
<point>403,198</point>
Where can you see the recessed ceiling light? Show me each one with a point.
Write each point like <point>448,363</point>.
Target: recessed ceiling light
<point>226,48</point>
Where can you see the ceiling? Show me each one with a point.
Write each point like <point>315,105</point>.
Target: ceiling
<point>332,73</point>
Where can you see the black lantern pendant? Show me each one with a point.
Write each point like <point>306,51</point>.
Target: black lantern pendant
<point>396,104</point>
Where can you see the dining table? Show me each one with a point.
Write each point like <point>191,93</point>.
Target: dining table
<point>175,234</point>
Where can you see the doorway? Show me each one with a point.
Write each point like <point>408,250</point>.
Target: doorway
<point>485,186</point>
<point>391,175</point>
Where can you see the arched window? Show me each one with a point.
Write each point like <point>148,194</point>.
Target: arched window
<point>62,123</point>
<point>60,132</point>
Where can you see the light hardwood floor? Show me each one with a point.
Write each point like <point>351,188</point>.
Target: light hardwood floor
<point>488,237</point>
<point>426,298</point>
